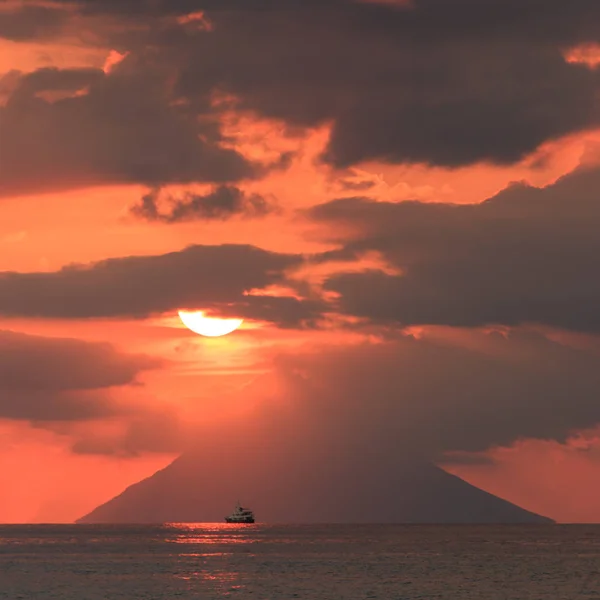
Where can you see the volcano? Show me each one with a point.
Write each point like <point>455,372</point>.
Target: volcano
<point>198,488</point>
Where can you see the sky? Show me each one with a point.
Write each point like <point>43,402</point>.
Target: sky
<point>400,198</point>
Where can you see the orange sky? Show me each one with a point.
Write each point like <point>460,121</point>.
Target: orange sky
<point>201,379</point>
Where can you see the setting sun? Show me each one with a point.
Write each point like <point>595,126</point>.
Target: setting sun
<point>208,326</point>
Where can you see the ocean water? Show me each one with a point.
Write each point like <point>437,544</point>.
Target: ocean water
<point>325,562</point>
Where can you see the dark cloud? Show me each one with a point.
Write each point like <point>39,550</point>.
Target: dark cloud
<point>39,363</point>
<point>528,255</point>
<point>30,22</point>
<point>50,79</point>
<point>371,407</point>
<point>357,186</point>
<point>161,8</point>
<point>448,83</point>
<point>206,277</point>
<point>117,128</point>
<point>445,82</point>
<point>56,379</point>
<point>479,459</point>
<point>44,408</point>
<point>224,202</point>
<point>288,312</point>
<point>72,388</point>
<point>466,392</point>
<point>430,16</point>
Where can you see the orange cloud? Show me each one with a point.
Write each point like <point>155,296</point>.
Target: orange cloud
<point>587,54</point>
<point>112,60</point>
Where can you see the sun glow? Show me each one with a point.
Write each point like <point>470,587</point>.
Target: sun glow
<point>208,326</point>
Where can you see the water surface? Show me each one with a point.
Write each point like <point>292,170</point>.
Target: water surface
<point>325,562</point>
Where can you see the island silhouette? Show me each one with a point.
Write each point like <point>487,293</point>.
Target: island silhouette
<point>198,488</point>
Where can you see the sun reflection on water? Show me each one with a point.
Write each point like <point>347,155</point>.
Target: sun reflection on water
<point>213,533</point>
<point>206,556</point>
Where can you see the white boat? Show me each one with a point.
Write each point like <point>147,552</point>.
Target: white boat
<point>240,515</point>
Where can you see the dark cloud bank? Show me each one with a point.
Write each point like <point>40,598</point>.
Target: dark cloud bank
<point>31,22</point>
<point>446,82</point>
<point>443,82</point>
<point>55,379</point>
<point>199,277</point>
<point>122,129</point>
<point>424,397</point>
<point>72,387</point>
<point>528,255</point>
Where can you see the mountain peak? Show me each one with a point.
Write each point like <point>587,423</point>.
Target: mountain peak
<point>193,489</point>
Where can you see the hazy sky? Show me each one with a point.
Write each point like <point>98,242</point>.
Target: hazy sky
<point>401,199</point>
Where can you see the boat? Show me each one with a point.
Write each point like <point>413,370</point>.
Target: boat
<point>240,515</point>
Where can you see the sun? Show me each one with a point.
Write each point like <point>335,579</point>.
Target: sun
<point>208,326</point>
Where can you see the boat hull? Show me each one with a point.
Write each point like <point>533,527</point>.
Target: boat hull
<point>237,520</point>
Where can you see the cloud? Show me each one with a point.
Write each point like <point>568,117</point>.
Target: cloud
<point>373,405</point>
<point>8,82</point>
<point>44,408</point>
<point>161,8</point>
<point>39,363</point>
<point>32,22</point>
<point>62,379</point>
<point>73,127</point>
<point>457,392</point>
<point>528,255</point>
<point>461,458</point>
<point>223,203</point>
<point>443,82</point>
<point>74,388</point>
<point>357,186</point>
<point>157,431</point>
<point>202,277</point>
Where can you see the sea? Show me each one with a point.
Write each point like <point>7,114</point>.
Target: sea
<point>324,562</point>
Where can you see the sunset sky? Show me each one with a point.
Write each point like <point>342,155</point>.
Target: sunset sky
<point>400,198</point>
